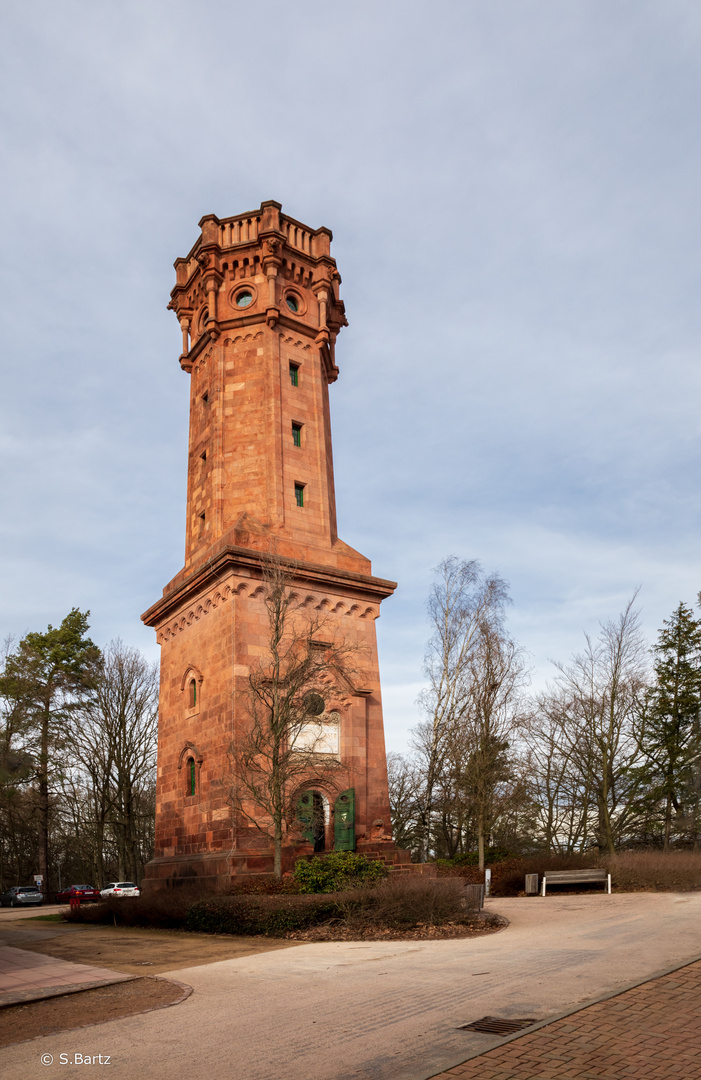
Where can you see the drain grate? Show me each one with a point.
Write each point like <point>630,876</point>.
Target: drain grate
<point>497,1025</point>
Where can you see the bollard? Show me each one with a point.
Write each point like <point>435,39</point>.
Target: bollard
<point>75,901</point>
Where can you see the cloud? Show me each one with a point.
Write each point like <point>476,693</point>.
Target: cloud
<point>513,195</point>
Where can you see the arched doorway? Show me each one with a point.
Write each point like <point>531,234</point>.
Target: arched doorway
<point>313,815</point>
<point>319,821</point>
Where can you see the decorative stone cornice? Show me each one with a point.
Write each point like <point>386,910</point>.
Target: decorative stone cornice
<point>226,591</point>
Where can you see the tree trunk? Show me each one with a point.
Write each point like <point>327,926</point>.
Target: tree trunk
<point>667,822</point>
<point>277,859</point>
<point>480,840</point>
<point>44,803</point>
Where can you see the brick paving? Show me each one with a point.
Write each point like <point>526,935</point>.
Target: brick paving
<point>652,1031</point>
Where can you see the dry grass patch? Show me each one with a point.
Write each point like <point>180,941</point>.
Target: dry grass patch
<point>144,951</point>
<point>654,871</point>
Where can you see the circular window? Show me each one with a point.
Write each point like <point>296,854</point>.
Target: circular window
<point>292,302</point>
<point>243,299</point>
<point>314,704</point>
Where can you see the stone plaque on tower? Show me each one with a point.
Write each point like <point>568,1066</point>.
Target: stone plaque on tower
<point>258,303</point>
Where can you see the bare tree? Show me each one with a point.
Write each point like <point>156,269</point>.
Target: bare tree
<point>288,738</point>
<point>560,793</point>
<point>592,722</point>
<point>115,747</point>
<point>481,742</point>
<point>405,797</point>
<point>473,671</point>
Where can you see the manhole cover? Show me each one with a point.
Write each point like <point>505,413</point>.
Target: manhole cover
<point>496,1025</point>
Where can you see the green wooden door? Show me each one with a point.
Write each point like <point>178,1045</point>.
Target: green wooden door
<point>305,815</point>
<point>344,821</point>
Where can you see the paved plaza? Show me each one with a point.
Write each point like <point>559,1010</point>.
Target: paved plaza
<point>395,1010</point>
<point>30,976</point>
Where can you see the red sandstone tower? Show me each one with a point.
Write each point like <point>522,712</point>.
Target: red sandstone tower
<point>258,303</point>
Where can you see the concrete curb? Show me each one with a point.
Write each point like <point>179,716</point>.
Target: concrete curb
<point>23,996</point>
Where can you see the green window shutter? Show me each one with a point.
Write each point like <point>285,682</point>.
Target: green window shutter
<point>344,821</point>
<point>305,815</point>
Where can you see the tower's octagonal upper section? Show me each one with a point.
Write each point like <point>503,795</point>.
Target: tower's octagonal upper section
<point>258,267</point>
<point>258,302</point>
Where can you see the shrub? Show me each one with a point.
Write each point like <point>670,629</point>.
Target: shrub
<point>257,914</point>
<point>404,901</point>
<point>654,871</point>
<point>337,871</point>
<point>166,910</point>
<point>631,871</point>
<point>400,902</point>
<point>264,885</point>
<point>508,875</point>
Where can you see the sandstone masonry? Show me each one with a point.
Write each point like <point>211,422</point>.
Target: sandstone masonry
<point>258,303</point>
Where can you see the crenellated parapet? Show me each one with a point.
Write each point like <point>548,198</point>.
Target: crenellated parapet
<point>258,267</point>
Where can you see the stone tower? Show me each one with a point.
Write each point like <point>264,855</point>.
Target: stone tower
<point>258,303</point>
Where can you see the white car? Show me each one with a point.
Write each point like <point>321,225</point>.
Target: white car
<point>120,888</point>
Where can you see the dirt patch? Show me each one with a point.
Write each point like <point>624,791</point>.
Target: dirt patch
<point>132,949</point>
<point>481,924</point>
<point>21,1022</point>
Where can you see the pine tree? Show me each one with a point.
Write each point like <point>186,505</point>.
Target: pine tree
<point>43,681</point>
<point>670,737</point>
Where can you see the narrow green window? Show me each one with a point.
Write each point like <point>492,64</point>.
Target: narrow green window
<point>193,693</point>
<point>191,779</point>
<point>299,494</point>
<point>297,434</point>
<point>294,374</point>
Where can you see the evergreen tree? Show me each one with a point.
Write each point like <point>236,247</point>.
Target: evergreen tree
<point>43,682</point>
<point>670,731</point>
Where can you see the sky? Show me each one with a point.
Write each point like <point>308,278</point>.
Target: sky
<point>513,189</point>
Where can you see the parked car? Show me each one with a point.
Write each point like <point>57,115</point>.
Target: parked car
<point>21,895</point>
<point>120,888</point>
<point>83,892</point>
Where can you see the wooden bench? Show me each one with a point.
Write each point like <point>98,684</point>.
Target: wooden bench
<point>575,877</point>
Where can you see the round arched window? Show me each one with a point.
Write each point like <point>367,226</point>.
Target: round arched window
<point>244,298</point>
<point>292,302</point>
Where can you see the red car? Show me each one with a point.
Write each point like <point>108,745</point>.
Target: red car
<point>82,892</point>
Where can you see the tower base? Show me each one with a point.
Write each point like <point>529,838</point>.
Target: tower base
<point>218,871</point>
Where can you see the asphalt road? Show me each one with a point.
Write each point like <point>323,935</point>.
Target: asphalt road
<point>8,914</point>
<point>340,1011</point>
